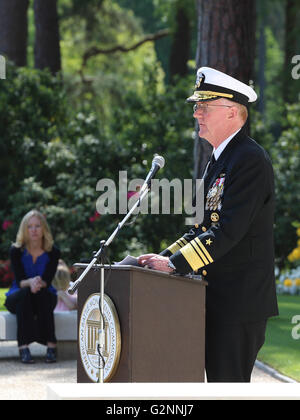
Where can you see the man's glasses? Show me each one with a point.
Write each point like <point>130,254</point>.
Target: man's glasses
<point>204,107</point>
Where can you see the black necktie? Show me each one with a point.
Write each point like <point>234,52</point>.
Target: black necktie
<point>209,165</point>
<point>211,162</point>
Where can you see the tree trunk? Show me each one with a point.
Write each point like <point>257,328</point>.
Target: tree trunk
<point>262,57</point>
<point>226,42</point>
<point>47,47</point>
<point>181,43</point>
<point>14,30</point>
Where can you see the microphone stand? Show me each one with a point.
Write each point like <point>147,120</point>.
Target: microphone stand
<point>100,256</point>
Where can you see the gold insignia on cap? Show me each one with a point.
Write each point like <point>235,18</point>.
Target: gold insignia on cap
<point>214,217</point>
<point>206,94</point>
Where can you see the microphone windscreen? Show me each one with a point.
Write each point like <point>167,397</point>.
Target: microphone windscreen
<point>159,160</point>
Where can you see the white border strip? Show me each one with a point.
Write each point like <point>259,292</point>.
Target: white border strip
<point>173,391</point>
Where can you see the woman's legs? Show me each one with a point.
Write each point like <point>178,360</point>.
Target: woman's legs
<point>35,319</point>
<point>20,304</point>
<point>44,305</point>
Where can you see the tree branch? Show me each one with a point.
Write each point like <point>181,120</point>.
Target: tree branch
<point>94,51</point>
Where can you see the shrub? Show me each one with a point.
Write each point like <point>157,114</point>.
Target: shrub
<point>286,160</point>
<point>54,156</point>
<point>284,151</point>
<point>6,274</point>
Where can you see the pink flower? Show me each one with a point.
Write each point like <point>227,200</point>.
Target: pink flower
<point>6,224</point>
<point>131,194</point>
<point>95,217</point>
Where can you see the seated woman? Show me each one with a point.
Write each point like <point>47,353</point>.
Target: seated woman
<point>34,260</point>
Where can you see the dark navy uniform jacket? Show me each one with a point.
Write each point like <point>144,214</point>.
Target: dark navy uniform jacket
<point>233,248</point>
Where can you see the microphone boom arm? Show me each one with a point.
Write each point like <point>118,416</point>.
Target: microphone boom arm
<point>104,244</point>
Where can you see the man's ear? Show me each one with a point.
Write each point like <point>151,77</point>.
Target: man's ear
<point>232,112</point>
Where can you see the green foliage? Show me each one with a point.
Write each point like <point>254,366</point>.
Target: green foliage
<point>32,108</point>
<point>68,152</point>
<point>285,156</point>
<point>286,160</point>
<point>273,72</point>
<point>53,157</point>
<point>157,122</point>
<point>2,299</point>
<point>107,77</point>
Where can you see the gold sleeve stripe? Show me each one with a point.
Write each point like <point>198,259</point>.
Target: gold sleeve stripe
<point>207,254</point>
<point>200,254</point>
<point>178,245</point>
<point>198,249</point>
<point>182,242</point>
<point>192,257</point>
<point>174,248</point>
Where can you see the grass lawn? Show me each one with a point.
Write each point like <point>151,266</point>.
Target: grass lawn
<point>2,299</point>
<point>281,351</point>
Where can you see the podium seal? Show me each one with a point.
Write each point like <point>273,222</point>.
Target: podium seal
<point>88,338</point>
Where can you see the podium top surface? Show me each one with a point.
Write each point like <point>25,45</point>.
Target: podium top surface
<point>190,277</point>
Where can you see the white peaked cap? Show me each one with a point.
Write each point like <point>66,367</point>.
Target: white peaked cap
<point>212,84</point>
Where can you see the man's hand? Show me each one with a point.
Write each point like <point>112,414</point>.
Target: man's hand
<point>155,262</point>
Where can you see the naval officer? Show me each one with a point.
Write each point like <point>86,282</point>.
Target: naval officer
<point>233,246</point>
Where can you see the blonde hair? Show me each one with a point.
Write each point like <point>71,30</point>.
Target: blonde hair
<point>62,277</point>
<point>22,235</point>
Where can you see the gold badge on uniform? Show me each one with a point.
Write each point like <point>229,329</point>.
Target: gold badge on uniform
<point>214,195</point>
<point>215,217</point>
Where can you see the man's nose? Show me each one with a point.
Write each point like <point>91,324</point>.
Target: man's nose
<point>198,111</point>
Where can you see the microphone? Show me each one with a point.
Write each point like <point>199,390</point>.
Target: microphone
<point>157,164</point>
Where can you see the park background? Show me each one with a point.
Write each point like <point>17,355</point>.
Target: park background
<point>96,87</point>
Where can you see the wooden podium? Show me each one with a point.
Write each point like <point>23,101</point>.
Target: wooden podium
<point>162,323</point>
